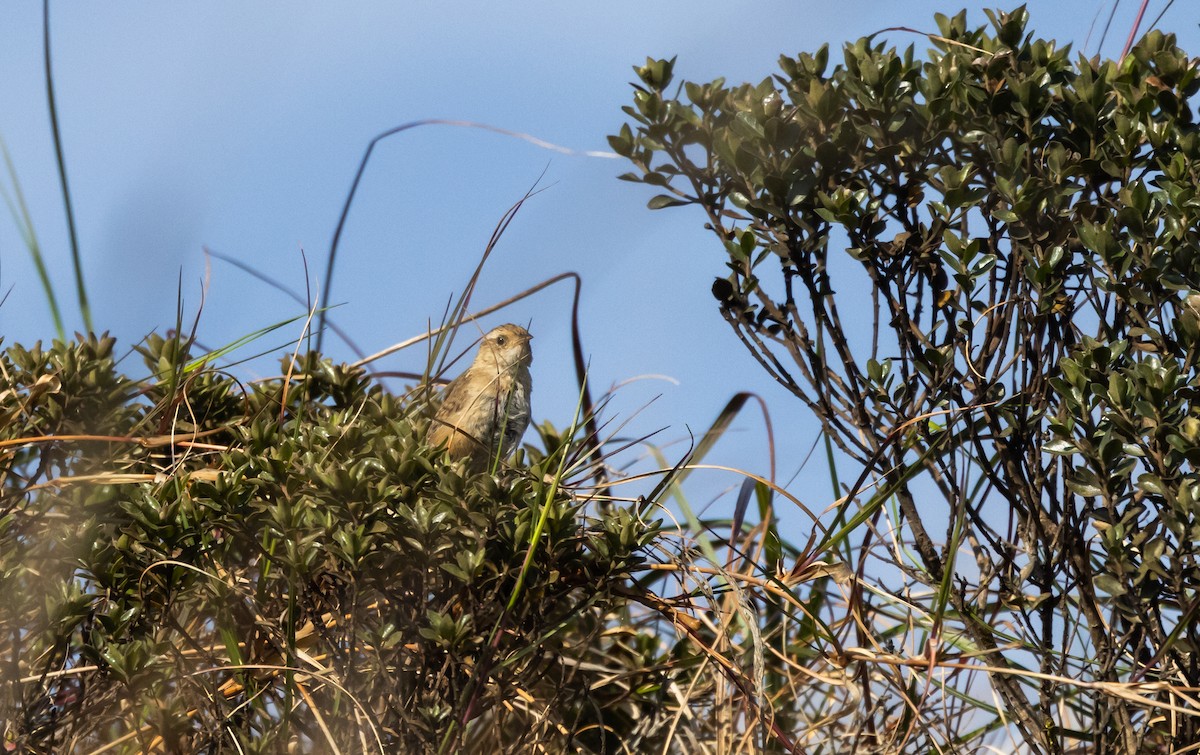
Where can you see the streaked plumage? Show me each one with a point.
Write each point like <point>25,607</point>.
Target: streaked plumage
<point>485,410</point>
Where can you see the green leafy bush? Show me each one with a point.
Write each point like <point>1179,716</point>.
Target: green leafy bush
<point>193,564</point>
<point>979,271</point>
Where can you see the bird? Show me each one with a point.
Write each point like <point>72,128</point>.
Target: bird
<point>485,410</point>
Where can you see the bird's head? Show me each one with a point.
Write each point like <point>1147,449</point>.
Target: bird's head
<point>508,346</point>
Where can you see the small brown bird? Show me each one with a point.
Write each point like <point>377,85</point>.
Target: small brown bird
<point>485,410</point>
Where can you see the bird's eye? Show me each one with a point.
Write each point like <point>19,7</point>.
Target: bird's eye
<point>502,341</point>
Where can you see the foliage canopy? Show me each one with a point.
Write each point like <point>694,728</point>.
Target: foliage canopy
<point>979,271</point>
<point>186,561</point>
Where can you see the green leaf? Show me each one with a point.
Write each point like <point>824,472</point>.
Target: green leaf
<point>1060,448</point>
<point>666,200</point>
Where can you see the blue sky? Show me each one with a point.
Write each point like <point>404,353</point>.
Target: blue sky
<point>238,127</point>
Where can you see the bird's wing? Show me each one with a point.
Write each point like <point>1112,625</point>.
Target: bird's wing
<point>455,398</point>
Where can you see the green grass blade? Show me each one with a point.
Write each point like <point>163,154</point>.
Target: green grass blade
<point>215,354</point>
<point>84,307</point>
<point>20,213</point>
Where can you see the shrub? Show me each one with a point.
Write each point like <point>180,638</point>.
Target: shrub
<point>978,270</point>
<point>191,564</point>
